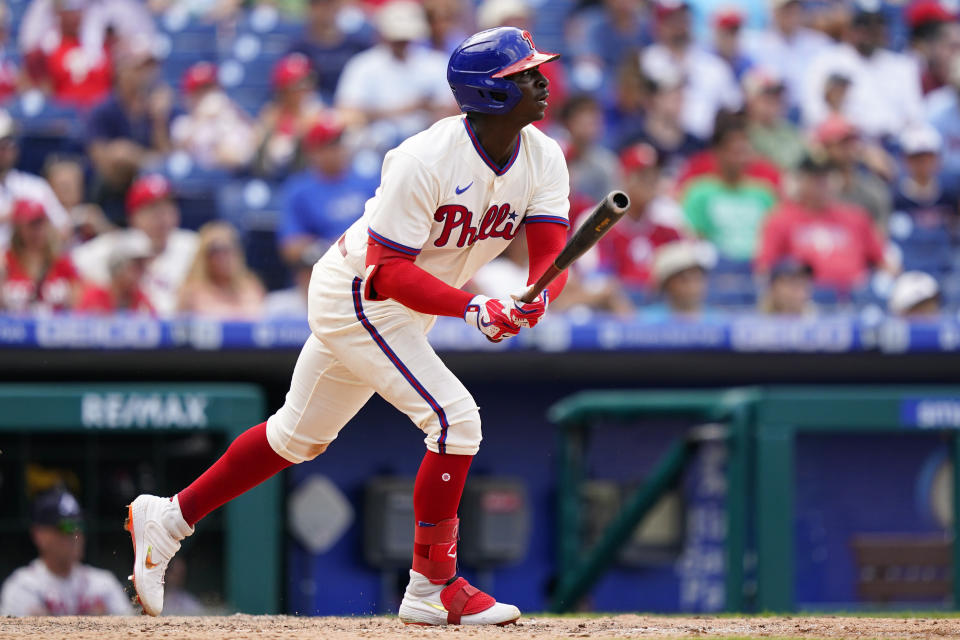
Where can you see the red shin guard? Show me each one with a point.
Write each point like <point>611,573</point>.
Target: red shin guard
<point>247,462</point>
<point>436,550</point>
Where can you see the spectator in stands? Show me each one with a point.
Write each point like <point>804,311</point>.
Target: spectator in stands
<point>915,295</point>
<point>445,19</point>
<point>324,199</point>
<point>72,73</point>
<point>65,175</point>
<point>680,273</point>
<point>219,283</point>
<point>790,290</point>
<point>857,183</point>
<point>935,38</point>
<point>398,87</point>
<point>20,185</point>
<point>36,276</point>
<point>628,248</point>
<point>771,133</point>
<point>10,80</point>
<point>214,130</point>
<point>288,115</point>
<point>943,111</point>
<point>884,93</point>
<point>126,130</point>
<point>786,43</point>
<point>593,167</point>
<point>835,92</point>
<point>727,22</point>
<point>329,42</point>
<point>516,13</point>
<point>602,38</point>
<point>102,23</point>
<point>626,111</point>
<point>920,193</point>
<point>727,206</point>
<point>151,210</point>
<point>127,267</point>
<point>837,240</point>
<point>709,84</point>
<point>291,302</point>
<point>663,127</point>
<point>56,583</point>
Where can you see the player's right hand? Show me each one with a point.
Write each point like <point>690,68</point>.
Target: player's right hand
<point>492,317</point>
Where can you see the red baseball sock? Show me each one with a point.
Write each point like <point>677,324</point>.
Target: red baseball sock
<point>437,491</point>
<point>248,461</point>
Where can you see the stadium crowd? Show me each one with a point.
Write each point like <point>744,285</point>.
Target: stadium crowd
<point>198,156</point>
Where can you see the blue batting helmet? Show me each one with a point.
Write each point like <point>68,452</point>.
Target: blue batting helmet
<point>478,68</point>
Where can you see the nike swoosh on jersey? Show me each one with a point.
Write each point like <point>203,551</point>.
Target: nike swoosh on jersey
<point>459,190</point>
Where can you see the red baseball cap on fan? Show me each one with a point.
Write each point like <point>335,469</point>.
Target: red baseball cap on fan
<point>923,12</point>
<point>199,76</point>
<point>639,156</point>
<point>146,190</point>
<point>728,18</point>
<point>290,70</point>
<point>26,211</point>
<point>322,132</point>
<point>665,8</point>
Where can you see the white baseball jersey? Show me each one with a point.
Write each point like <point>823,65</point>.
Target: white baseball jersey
<point>34,591</point>
<point>443,200</point>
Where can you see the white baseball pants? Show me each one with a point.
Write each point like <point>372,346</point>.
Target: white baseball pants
<point>358,347</point>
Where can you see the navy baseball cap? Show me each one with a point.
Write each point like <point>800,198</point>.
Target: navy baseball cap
<point>58,508</point>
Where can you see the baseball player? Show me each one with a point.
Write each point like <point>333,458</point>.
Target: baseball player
<point>450,200</point>
<point>57,583</point>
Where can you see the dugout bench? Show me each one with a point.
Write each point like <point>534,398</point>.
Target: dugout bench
<point>94,423</point>
<point>760,425</point>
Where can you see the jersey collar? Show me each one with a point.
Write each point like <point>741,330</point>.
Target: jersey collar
<point>483,154</point>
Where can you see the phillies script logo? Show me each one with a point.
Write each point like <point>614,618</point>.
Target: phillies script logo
<point>493,224</point>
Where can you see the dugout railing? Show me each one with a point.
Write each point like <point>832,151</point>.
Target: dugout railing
<point>759,426</point>
<point>77,424</point>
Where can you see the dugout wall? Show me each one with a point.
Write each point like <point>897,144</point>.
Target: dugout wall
<point>759,427</point>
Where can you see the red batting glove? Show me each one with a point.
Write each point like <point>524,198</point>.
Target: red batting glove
<point>528,314</point>
<point>492,317</point>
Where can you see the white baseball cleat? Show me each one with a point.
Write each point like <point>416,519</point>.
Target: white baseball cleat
<point>156,527</point>
<point>456,602</point>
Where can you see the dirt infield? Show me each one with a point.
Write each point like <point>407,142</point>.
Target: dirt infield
<point>241,627</point>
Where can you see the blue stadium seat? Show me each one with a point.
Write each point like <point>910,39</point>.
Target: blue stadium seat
<point>253,207</point>
<point>190,36</point>
<point>726,265</point>
<point>196,189</point>
<point>275,34</point>
<point>45,127</point>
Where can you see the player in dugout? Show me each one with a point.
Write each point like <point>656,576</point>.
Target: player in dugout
<point>451,198</point>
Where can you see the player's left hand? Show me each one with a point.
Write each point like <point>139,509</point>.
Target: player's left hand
<point>528,314</point>
<point>492,317</point>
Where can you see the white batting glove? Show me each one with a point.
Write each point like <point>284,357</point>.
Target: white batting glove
<point>528,314</point>
<point>492,317</point>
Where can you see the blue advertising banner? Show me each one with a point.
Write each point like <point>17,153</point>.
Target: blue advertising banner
<point>741,334</point>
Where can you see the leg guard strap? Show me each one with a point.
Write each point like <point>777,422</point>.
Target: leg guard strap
<point>461,598</point>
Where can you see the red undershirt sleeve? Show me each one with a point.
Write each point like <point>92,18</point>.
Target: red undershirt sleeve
<point>545,241</point>
<point>394,275</point>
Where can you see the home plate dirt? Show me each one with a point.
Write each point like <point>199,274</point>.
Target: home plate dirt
<point>240,627</point>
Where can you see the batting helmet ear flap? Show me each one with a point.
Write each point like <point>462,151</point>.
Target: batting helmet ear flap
<point>478,69</point>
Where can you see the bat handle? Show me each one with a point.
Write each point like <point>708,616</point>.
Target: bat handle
<point>537,287</point>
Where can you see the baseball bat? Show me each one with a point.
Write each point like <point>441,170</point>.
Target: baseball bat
<point>606,214</point>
